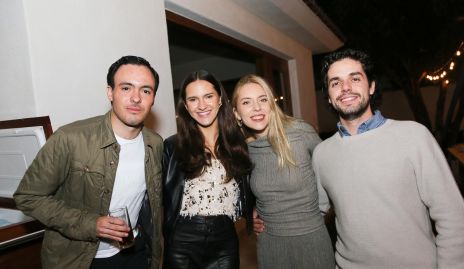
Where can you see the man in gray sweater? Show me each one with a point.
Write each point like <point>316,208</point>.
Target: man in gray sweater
<point>386,180</point>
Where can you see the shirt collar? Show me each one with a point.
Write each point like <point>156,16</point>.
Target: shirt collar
<point>373,122</point>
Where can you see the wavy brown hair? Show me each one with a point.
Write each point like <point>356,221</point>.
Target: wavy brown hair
<point>230,149</point>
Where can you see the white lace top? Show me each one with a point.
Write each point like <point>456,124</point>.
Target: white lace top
<point>208,195</point>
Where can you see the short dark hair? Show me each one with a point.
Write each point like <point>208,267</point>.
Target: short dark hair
<point>357,55</point>
<point>129,59</point>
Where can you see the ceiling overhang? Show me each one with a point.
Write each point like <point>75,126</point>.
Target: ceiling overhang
<point>298,21</point>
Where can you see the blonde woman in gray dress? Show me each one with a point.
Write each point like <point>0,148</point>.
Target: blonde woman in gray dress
<point>282,180</point>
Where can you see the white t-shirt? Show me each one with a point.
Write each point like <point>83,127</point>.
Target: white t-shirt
<point>129,186</point>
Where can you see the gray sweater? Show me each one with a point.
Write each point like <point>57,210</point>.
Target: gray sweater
<point>286,198</point>
<point>384,185</point>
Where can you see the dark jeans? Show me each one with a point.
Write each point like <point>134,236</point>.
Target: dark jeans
<point>133,257</point>
<point>203,243</point>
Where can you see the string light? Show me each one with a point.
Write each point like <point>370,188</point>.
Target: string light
<point>441,72</point>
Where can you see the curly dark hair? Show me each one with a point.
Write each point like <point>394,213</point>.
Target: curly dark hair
<point>231,148</point>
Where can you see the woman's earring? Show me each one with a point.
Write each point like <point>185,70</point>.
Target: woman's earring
<point>240,123</point>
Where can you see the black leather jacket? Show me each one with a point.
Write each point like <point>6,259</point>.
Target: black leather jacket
<point>173,188</point>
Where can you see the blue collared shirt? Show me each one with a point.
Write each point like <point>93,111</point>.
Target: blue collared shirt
<point>375,121</point>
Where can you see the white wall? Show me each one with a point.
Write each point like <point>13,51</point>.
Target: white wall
<point>395,105</point>
<point>17,95</point>
<point>230,18</point>
<point>69,46</point>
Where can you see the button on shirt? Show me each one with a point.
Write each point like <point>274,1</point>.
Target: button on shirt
<point>375,121</point>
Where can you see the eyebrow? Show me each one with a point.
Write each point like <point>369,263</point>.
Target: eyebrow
<point>132,85</point>
<point>201,96</point>
<point>125,84</point>
<point>357,73</point>
<point>244,98</point>
<point>350,74</point>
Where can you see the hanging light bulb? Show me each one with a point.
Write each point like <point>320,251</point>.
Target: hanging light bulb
<point>440,74</point>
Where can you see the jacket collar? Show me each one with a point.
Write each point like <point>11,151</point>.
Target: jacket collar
<point>107,133</point>
<point>147,138</point>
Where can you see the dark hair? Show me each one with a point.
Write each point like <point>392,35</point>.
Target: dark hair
<point>135,60</point>
<point>357,55</point>
<point>230,147</point>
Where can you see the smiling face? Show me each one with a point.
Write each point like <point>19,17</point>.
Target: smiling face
<point>253,109</point>
<point>349,90</point>
<point>132,98</point>
<point>202,102</point>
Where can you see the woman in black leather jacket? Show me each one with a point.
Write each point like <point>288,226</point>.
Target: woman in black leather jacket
<point>205,173</point>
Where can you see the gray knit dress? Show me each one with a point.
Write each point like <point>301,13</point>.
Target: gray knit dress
<point>286,199</point>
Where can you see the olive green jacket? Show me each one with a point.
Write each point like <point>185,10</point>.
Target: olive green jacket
<point>69,185</point>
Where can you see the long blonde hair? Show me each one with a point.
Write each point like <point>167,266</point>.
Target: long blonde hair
<point>277,120</point>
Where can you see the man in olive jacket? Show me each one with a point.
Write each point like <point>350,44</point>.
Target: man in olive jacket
<point>95,165</point>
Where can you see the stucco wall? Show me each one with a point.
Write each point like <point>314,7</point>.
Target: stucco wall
<point>61,51</point>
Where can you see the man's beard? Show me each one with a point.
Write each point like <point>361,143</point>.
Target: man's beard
<point>353,113</point>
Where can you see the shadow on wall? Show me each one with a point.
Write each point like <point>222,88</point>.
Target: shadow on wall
<point>152,121</point>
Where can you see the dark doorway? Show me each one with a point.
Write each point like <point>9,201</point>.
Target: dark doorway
<point>194,46</point>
